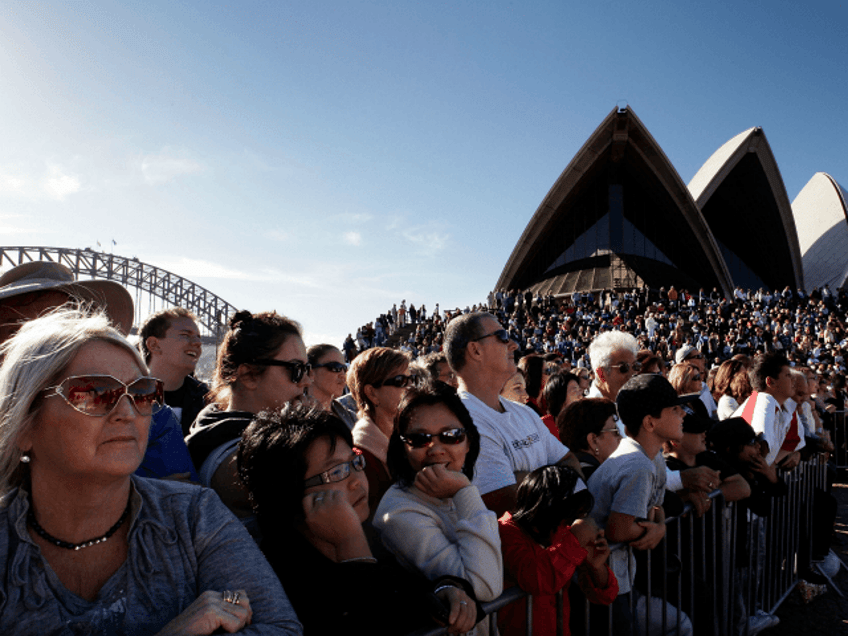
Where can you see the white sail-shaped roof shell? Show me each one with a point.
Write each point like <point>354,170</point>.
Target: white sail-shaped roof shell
<point>821,216</point>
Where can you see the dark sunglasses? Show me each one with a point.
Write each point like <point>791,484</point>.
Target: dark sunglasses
<point>332,367</point>
<point>398,381</point>
<point>297,368</point>
<point>500,334</point>
<point>98,395</point>
<point>625,367</point>
<point>452,436</point>
<point>339,472</point>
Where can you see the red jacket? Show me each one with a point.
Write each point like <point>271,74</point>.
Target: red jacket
<point>542,572</point>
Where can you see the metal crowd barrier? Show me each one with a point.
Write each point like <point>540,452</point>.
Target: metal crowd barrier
<point>840,439</point>
<point>721,580</point>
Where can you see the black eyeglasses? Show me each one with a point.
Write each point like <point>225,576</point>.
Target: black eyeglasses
<point>500,334</point>
<point>398,381</point>
<point>452,437</point>
<point>297,368</point>
<point>339,472</point>
<point>332,367</point>
<point>625,367</point>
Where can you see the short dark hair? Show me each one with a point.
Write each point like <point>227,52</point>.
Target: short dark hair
<point>271,461</point>
<point>428,365</point>
<point>766,365</point>
<point>460,331</point>
<point>555,391</point>
<point>157,325</point>
<point>412,400</point>
<point>581,418</point>
<point>546,498</point>
<point>316,352</point>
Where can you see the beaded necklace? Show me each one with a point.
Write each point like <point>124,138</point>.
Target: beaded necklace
<point>74,546</point>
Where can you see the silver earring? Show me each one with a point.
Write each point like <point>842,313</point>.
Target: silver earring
<point>25,458</point>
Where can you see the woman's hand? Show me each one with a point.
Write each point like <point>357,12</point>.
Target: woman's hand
<point>330,519</point>
<point>758,465</point>
<point>437,481</point>
<point>462,615</point>
<point>211,611</point>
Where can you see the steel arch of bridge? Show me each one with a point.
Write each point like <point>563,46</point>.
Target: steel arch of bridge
<point>212,311</point>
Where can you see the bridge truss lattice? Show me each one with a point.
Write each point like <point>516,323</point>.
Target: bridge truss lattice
<point>144,279</point>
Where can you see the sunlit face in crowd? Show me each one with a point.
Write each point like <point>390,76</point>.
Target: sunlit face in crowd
<point>608,440</point>
<point>622,367</point>
<point>573,392</point>
<point>497,356</point>
<point>387,397</point>
<point>321,458</point>
<point>669,425</point>
<point>447,375</point>
<point>783,387</point>
<point>435,419</point>
<point>695,383</point>
<point>326,382</point>
<point>274,386</point>
<point>515,389</point>
<point>68,446</point>
<point>180,348</point>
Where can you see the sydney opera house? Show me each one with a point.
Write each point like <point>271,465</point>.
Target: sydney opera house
<point>620,217</point>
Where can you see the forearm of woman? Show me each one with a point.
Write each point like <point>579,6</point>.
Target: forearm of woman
<point>735,488</point>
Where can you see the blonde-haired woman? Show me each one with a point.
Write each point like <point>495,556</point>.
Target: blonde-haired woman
<point>87,547</point>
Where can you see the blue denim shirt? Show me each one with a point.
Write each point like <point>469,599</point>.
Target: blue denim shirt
<point>182,542</point>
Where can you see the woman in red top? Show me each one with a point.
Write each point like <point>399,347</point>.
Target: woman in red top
<point>544,542</point>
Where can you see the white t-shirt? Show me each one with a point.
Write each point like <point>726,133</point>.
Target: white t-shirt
<point>513,441</point>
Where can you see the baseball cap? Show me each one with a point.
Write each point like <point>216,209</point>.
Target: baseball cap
<point>647,394</point>
<point>683,353</point>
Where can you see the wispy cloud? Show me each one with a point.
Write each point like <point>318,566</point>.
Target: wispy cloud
<point>58,185</point>
<point>353,238</point>
<point>167,165</point>
<point>51,182</point>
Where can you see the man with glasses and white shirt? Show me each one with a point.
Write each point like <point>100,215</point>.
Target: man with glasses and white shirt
<point>613,358</point>
<point>513,439</point>
<point>691,355</point>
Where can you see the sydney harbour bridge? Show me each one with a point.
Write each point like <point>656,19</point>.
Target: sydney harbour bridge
<point>152,287</point>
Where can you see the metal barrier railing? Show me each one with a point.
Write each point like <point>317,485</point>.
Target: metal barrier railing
<point>840,439</point>
<point>720,582</point>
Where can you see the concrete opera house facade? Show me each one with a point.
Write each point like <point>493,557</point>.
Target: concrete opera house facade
<point>619,216</point>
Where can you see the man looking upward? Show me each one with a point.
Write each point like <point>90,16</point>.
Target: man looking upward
<point>513,439</point>
<point>169,341</point>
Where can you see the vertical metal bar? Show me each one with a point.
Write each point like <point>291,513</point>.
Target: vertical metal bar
<point>529,621</point>
<point>560,623</point>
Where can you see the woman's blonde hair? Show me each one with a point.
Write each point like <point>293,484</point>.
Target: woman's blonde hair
<point>34,359</point>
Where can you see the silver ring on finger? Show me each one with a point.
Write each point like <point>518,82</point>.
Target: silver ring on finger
<point>463,603</point>
<point>236,598</point>
<point>227,596</point>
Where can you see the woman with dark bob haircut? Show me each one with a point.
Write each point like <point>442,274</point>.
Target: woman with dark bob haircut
<point>545,541</point>
<point>310,496</point>
<point>589,428</point>
<point>433,519</point>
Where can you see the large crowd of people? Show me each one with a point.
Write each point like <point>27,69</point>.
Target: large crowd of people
<point>401,480</point>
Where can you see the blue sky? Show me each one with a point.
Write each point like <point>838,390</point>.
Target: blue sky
<point>327,159</point>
